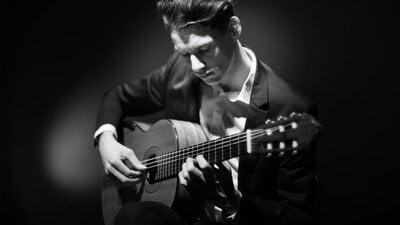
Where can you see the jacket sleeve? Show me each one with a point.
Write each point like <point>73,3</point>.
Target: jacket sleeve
<point>137,98</point>
<point>296,187</point>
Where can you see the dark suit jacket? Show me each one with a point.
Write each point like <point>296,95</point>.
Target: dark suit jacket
<point>276,190</point>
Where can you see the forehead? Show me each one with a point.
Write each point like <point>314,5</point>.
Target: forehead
<point>191,37</point>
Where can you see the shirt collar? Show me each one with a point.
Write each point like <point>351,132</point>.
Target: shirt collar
<point>245,92</point>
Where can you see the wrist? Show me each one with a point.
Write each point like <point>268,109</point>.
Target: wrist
<point>106,137</point>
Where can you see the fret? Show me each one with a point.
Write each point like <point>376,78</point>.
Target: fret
<point>165,162</point>
<point>168,166</point>
<point>230,148</point>
<point>222,150</point>
<point>208,152</point>
<point>238,145</point>
<point>215,151</point>
<point>197,149</point>
<point>214,147</point>
<point>175,164</point>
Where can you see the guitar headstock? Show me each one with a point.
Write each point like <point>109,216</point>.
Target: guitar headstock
<point>285,134</point>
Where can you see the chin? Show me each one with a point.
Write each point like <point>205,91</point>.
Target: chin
<point>211,81</point>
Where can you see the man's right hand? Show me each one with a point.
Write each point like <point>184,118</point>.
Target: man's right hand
<point>120,161</point>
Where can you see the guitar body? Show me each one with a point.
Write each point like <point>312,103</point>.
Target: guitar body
<point>163,137</point>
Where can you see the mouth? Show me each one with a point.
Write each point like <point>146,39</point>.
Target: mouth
<point>204,75</point>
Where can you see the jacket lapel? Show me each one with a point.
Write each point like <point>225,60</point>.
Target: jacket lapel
<point>258,107</point>
<point>259,98</point>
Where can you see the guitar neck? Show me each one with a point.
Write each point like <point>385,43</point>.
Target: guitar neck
<point>168,165</point>
<point>285,134</point>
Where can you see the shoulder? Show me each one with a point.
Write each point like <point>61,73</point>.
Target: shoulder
<point>283,98</point>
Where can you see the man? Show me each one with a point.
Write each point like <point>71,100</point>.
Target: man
<point>214,80</point>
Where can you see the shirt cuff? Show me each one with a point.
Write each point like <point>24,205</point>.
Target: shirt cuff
<point>105,127</point>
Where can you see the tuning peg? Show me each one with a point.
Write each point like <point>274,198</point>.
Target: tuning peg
<point>280,117</point>
<point>267,121</point>
<point>294,125</point>
<point>293,114</point>
<point>269,146</point>
<point>268,131</point>
<point>281,129</point>
<point>281,154</point>
<point>282,145</point>
<point>269,155</point>
<point>295,144</point>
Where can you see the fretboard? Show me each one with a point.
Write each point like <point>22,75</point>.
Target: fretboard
<point>214,151</point>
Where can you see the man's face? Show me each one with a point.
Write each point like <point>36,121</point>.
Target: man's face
<point>208,51</point>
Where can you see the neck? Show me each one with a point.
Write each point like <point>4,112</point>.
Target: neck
<point>238,69</point>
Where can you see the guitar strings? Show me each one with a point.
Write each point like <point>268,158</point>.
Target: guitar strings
<point>216,141</point>
<point>208,143</point>
<point>167,171</point>
<point>200,147</point>
<point>183,153</point>
<point>168,158</point>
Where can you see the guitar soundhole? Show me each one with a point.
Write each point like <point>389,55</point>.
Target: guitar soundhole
<point>152,183</point>
<point>151,173</point>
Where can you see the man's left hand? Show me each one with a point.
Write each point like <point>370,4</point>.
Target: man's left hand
<point>213,185</point>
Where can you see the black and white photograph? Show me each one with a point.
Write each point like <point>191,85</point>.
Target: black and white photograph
<point>199,112</point>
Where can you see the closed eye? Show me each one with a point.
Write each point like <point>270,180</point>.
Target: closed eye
<point>204,49</point>
<point>184,54</point>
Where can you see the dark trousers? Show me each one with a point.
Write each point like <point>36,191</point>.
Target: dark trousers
<point>151,213</point>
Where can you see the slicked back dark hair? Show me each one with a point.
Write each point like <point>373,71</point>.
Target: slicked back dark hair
<point>181,13</point>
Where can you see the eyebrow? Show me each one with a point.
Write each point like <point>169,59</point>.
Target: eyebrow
<point>197,48</point>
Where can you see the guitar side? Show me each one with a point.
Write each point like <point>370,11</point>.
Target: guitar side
<point>163,137</point>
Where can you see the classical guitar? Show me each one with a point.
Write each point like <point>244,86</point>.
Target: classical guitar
<point>166,145</point>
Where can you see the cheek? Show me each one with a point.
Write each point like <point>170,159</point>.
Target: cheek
<point>224,57</point>
<point>219,57</point>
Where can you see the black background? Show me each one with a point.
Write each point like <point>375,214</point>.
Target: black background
<point>60,57</point>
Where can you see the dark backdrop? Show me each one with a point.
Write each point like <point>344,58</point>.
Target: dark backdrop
<point>60,57</point>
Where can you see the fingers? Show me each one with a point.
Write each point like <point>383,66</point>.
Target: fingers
<point>122,178</point>
<point>191,172</point>
<point>120,161</point>
<point>133,162</point>
<point>206,169</point>
<point>122,168</point>
<point>182,180</point>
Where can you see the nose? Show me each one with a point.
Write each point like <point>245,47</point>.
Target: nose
<point>197,65</point>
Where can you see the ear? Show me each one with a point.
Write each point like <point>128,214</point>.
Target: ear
<point>235,28</point>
